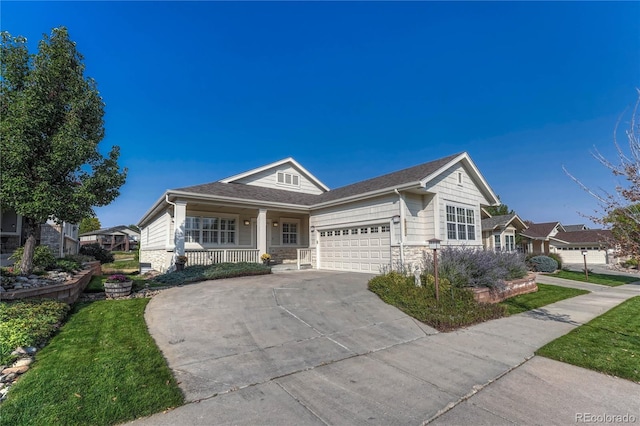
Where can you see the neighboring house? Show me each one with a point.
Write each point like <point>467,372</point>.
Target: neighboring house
<point>116,238</point>
<point>283,210</point>
<point>537,237</point>
<point>572,228</point>
<point>569,242</point>
<point>596,243</point>
<point>62,238</point>
<point>499,232</point>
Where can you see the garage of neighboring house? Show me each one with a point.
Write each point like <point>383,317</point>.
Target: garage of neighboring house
<point>595,255</point>
<point>570,245</point>
<point>355,248</point>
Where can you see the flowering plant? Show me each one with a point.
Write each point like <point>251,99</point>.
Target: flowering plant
<point>265,256</point>
<point>117,278</point>
<point>181,259</point>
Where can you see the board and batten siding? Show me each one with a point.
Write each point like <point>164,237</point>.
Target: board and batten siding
<point>155,235</point>
<point>419,216</point>
<point>268,179</point>
<point>465,194</point>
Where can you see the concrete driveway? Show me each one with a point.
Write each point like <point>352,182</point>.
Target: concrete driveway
<point>317,347</point>
<point>229,334</point>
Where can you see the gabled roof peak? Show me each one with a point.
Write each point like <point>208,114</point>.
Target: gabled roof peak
<point>289,160</point>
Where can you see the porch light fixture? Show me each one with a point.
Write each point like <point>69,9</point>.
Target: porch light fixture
<point>396,219</point>
<point>247,223</point>
<point>275,224</point>
<point>434,244</point>
<point>312,229</point>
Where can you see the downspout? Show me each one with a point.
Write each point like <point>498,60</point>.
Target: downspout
<point>401,206</point>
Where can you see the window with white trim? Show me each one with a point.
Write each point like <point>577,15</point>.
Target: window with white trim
<point>289,233</point>
<point>210,230</point>
<point>460,223</point>
<point>290,179</point>
<point>496,243</point>
<point>510,242</point>
<point>192,229</point>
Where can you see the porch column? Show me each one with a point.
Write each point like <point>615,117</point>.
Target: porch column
<point>179,217</point>
<point>261,231</point>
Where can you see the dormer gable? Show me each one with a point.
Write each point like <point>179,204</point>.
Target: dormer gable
<point>285,174</point>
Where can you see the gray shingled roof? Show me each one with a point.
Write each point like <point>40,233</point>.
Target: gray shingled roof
<point>107,231</point>
<point>252,192</point>
<point>539,230</point>
<point>591,236</point>
<point>495,221</point>
<point>257,193</point>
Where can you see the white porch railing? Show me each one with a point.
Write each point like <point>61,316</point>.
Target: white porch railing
<point>209,257</point>
<point>304,257</point>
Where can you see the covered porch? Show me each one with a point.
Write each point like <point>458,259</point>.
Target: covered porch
<point>210,233</point>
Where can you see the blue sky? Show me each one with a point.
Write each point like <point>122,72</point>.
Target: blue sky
<point>198,91</point>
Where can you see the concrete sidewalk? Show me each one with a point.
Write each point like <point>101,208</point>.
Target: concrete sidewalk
<point>485,374</point>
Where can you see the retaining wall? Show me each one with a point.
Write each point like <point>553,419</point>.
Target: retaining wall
<point>513,288</point>
<point>67,292</point>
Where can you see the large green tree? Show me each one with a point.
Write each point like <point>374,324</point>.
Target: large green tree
<point>89,224</point>
<point>51,122</point>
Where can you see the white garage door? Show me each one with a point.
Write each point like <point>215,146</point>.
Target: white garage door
<point>594,256</point>
<point>356,248</point>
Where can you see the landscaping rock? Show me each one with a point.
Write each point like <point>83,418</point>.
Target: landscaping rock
<point>17,370</point>
<point>22,362</point>
<point>8,376</point>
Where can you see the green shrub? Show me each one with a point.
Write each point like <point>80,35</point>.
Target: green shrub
<point>197,273</point>
<point>43,257</point>
<point>631,263</point>
<point>543,264</point>
<point>456,307</point>
<point>557,258</point>
<point>67,265</point>
<point>28,323</point>
<point>97,252</point>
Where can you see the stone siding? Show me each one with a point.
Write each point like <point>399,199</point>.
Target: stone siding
<point>50,237</point>
<point>413,256</point>
<point>284,254</point>
<point>160,260</point>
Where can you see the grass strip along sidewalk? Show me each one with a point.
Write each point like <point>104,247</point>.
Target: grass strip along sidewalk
<point>545,295</point>
<point>609,343</point>
<point>602,279</point>
<point>102,368</point>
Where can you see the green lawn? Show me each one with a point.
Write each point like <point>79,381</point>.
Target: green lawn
<point>609,343</point>
<point>545,295</point>
<point>102,368</point>
<point>603,279</point>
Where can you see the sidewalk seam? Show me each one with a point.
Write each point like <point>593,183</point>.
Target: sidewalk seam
<point>474,391</point>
